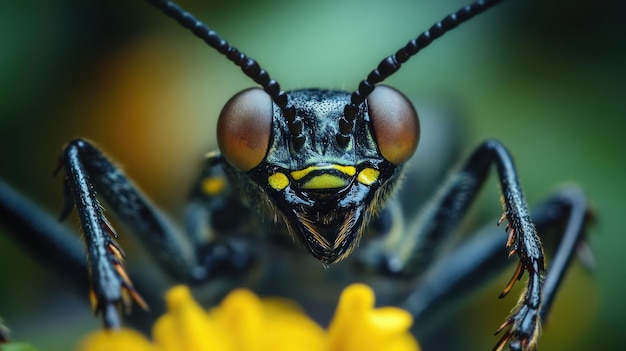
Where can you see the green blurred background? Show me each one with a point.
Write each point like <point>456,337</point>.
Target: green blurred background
<point>545,77</point>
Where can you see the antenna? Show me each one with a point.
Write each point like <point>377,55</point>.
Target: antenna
<point>392,63</point>
<point>248,65</point>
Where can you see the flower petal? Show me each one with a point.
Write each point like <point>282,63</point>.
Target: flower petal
<point>106,340</point>
<point>254,325</point>
<point>291,329</point>
<point>358,326</point>
<point>239,319</point>
<point>185,326</point>
<point>242,322</point>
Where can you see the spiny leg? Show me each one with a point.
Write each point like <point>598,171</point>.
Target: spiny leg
<point>56,247</point>
<point>570,210</point>
<point>87,170</point>
<point>411,253</point>
<point>566,214</point>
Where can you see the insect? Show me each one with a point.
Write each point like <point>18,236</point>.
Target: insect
<point>324,165</point>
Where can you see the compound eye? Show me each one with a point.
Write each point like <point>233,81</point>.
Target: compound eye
<point>244,128</point>
<point>395,124</point>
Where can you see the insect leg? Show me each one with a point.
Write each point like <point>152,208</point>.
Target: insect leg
<point>58,248</point>
<point>43,236</point>
<point>421,240</point>
<point>572,237</point>
<point>414,251</point>
<point>87,170</point>
<point>476,260</point>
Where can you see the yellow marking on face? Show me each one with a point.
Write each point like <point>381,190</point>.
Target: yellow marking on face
<point>347,170</point>
<point>278,181</point>
<point>368,176</point>
<point>325,181</point>
<point>213,186</point>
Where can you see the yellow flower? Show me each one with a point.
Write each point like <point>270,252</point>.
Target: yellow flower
<point>357,325</point>
<point>243,322</point>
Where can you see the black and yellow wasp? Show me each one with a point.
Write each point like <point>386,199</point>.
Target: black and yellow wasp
<point>315,171</point>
